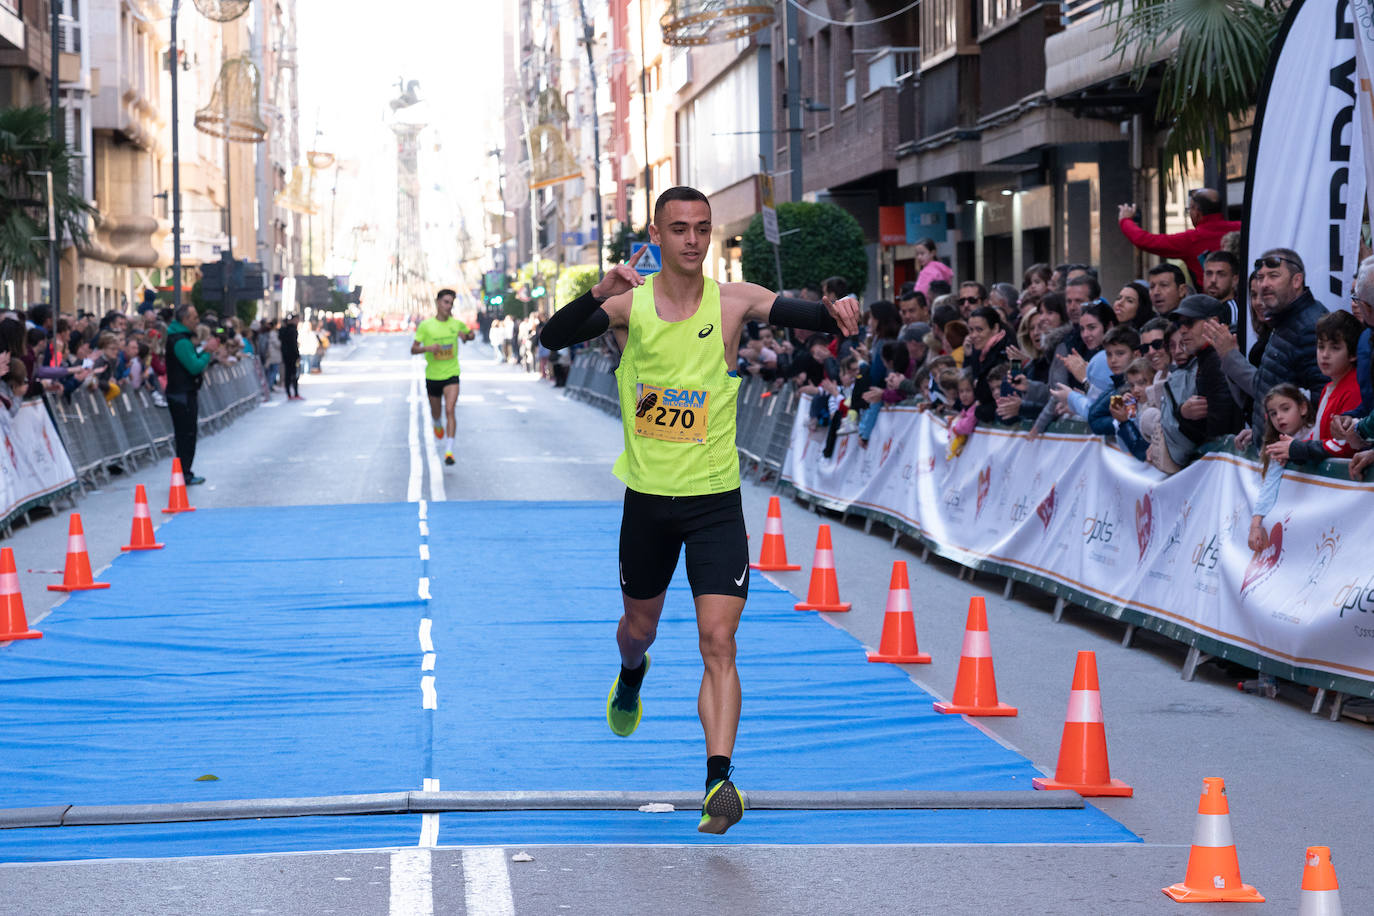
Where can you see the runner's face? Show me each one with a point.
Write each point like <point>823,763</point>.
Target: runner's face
<point>444,307</point>
<point>683,232</point>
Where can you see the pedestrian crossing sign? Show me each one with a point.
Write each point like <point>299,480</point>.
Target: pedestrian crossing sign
<point>651,263</point>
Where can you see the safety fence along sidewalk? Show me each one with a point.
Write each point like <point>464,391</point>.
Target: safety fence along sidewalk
<point>132,427</point>
<point>1075,517</point>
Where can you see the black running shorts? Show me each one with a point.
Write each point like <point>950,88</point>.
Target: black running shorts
<point>435,386</point>
<point>654,529</point>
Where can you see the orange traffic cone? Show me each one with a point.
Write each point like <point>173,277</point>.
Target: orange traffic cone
<point>824,593</point>
<point>1213,871</point>
<point>13,623</point>
<point>773,556</point>
<point>141,537</point>
<point>975,689</point>
<point>1321,894</point>
<point>176,500</point>
<point>899,626</point>
<point>1083,764</point>
<point>76,577</point>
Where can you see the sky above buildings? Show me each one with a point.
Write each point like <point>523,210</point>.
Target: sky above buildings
<point>353,54</point>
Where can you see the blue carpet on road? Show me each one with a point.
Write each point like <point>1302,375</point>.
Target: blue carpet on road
<point>277,649</point>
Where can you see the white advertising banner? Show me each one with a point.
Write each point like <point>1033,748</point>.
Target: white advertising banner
<point>1085,520</point>
<point>34,462</point>
<point>1306,187</point>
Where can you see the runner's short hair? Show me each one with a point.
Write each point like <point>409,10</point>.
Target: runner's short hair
<point>445,292</point>
<point>681,192</point>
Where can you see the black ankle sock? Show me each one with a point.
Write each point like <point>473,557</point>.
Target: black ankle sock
<point>717,767</point>
<point>632,679</point>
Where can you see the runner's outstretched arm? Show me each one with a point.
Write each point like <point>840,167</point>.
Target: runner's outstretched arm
<point>581,320</point>
<point>828,315</point>
<point>585,318</point>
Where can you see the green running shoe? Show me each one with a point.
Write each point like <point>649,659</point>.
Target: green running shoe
<point>722,807</point>
<point>623,708</point>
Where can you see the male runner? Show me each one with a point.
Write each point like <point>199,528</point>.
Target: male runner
<point>679,334</point>
<point>437,338</point>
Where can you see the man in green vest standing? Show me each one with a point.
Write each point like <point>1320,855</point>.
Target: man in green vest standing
<point>186,365</point>
<point>679,335</point>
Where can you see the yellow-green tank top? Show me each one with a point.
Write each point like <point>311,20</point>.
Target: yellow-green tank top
<point>677,401</point>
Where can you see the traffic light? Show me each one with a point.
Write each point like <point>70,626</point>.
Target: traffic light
<point>497,299</point>
<point>537,292</point>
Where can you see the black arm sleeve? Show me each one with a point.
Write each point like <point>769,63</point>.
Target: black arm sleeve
<point>801,313</point>
<point>581,320</point>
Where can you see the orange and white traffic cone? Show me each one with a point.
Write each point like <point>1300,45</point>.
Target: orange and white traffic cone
<point>14,624</point>
<point>824,593</point>
<point>176,500</point>
<point>1321,895</point>
<point>773,556</point>
<point>76,577</point>
<point>141,536</point>
<point>975,688</point>
<point>898,644</point>
<point>1083,766</point>
<point>1213,870</point>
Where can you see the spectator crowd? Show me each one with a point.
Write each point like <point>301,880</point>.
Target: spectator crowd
<point>1154,364</point>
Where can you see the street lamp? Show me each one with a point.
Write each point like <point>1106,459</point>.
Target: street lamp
<point>219,11</point>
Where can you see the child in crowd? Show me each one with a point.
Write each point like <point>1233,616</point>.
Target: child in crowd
<point>964,423</point>
<point>1288,415</point>
<point>832,407</point>
<point>1338,337</point>
<point>1118,348</point>
<point>106,365</point>
<point>1127,407</point>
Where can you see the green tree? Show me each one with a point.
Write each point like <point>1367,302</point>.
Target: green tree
<point>823,241</point>
<point>619,244</point>
<point>573,282</point>
<point>26,147</point>
<point>1213,77</point>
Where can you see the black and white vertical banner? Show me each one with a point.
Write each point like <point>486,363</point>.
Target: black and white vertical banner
<point>1313,123</point>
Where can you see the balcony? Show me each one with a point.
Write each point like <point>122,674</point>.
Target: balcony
<point>11,26</point>
<point>1080,64</point>
<point>860,137</point>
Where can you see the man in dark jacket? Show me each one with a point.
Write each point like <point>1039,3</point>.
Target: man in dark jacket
<point>1291,353</point>
<point>1212,412</point>
<point>290,358</point>
<point>185,371</point>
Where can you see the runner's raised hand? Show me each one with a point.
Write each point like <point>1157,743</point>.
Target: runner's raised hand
<point>621,278</point>
<point>845,312</point>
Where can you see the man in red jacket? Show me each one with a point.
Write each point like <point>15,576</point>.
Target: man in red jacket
<point>1204,210</point>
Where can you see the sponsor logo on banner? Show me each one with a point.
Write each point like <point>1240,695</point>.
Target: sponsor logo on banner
<point>1264,562</point>
<point>984,485</point>
<point>1328,545</point>
<point>1045,511</point>
<point>887,447</point>
<point>1355,595</point>
<point>1020,509</point>
<point>1100,534</point>
<point>1144,524</point>
<point>843,447</point>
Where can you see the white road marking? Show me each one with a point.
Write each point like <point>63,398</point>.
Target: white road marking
<point>365,401</point>
<point>431,785</point>
<point>424,588</point>
<point>486,883</point>
<point>424,529</point>
<point>321,412</point>
<point>429,831</point>
<point>436,469</point>
<point>429,694</point>
<point>424,551</point>
<point>412,888</point>
<point>471,399</point>
<point>426,642</point>
<point>522,398</point>
<point>427,664</point>
<point>424,509</point>
<point>416,471</point>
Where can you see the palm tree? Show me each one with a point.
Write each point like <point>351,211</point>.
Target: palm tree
<point>27,152</point>
<point>1213,77</point>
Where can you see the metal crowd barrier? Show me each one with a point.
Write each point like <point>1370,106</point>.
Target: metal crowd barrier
<point>763,417</point>
<point>122,433</point>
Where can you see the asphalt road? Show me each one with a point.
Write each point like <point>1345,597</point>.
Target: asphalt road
<point>1293,779</point>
